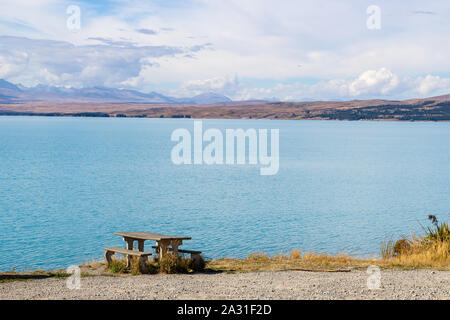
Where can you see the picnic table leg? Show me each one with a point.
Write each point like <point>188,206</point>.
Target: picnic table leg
<point>142,261</point>
<point>162,248</point>
<point>129,243</point>
<point>108,255</point>
<point>141,245</point>
<point>129,247</point>
<point>175,244</point>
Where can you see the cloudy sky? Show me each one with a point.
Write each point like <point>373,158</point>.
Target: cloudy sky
<point>245,49</point>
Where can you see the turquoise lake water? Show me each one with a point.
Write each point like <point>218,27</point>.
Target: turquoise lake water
<point>67,184</point>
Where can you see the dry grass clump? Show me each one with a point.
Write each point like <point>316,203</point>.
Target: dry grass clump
<point>295,254</point>
<point>117,265</point>
<point>335,261</point>
<point>432,250</point>
<point>172,263</point>
<point>433,255</point>
<point>294,261</point>
<point>387,249</point>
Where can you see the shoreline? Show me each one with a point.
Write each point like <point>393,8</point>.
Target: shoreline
<point>93,116</point>
<point>254,263</point>
<point>289,285</point>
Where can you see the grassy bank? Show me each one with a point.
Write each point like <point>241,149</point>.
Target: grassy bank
<point>431,250</point>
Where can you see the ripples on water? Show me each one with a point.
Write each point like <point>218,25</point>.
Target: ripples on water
<point>67,184</point>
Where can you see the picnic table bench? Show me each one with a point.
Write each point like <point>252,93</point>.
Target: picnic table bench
<point>194,254</point>
<point>164,244</point>
<point>143,256</point>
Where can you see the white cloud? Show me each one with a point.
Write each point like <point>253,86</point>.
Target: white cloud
<point>106,64</point>
<point>380,81</point>
<point>143,44</point>
<point>225,85</point>
<point>431,84</point>
<point>12,63</point>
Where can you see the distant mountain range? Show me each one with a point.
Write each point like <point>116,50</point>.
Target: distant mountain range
<point>107,102</point>
<point>11,93</point>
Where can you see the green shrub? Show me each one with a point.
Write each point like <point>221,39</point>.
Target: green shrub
<point>437,232</point>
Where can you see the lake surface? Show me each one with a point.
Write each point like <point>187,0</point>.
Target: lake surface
<point>67,184</point>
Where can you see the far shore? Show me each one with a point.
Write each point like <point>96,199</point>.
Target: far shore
<point>96,115</point>
<point>429,109</point>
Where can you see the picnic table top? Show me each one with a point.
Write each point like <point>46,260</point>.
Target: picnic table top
<point>149,236</point>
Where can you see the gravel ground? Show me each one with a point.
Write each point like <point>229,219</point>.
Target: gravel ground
<point>418,284</point>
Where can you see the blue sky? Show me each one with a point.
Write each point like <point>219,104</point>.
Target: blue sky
<point>245,49</point>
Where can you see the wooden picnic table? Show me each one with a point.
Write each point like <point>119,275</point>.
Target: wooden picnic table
<point>164,243</point>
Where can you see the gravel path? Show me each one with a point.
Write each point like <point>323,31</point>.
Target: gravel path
<point>419,284</point>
